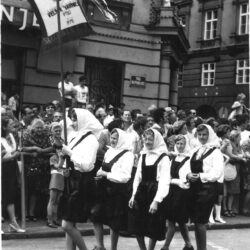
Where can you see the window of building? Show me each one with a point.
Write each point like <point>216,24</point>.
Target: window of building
<point>244,19</point>
<point>242,71</point>
<point>180,76</point>
<point>208,74</point>
<point>211,20</point>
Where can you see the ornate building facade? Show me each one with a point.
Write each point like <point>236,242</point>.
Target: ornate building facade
<point>217,66</point>
<point>134,61</point>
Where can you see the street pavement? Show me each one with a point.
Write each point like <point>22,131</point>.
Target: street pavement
<point>225,239</point>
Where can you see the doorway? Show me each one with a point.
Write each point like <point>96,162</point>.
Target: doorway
<point>105,80</point>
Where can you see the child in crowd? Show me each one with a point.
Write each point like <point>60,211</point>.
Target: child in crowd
<point>56,185</point>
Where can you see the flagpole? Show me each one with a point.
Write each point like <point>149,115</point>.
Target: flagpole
<point>61,69</point>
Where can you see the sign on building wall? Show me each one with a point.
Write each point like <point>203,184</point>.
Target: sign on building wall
<point>137,81</point>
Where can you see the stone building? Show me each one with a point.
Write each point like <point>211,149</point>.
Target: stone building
<point>134,61</point>
<point>217,67</point>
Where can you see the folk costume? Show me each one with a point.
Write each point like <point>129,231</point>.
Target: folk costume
<point>83,146</point>
<point>207,161</point>
<point>178,198</point>
<point>112,196</point>
<point>151,183</point>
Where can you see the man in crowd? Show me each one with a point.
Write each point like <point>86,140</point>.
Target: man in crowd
<point>68,89</point>
<point>28,115</point>
<point>13,103</point>
<point>82,92</point>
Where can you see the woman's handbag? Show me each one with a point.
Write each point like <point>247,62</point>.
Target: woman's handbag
<point>230,172</point>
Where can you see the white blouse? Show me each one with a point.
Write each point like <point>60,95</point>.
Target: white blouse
<point>84,154</point>
<point>213,167</point>
<point>121,170</point>
<point>9,148</point>
<point>163,175</point>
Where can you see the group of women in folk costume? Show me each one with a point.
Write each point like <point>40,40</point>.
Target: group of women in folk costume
<point>176,190</point>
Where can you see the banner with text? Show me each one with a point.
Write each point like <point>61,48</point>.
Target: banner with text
<point>73,22</point>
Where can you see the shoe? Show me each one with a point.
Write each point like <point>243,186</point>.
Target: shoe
<point>211,221</point>
<point>33,218</point>
<point>220,220</point>
<point>233,214</point>
<point>14,227</point>
<point>57,223</point>
<point>227,214</point>
<point>188,248</point>
<point>51,224</point>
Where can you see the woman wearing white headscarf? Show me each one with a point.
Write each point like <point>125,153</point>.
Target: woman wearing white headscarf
<point>206,169</point>
<point>81,152</point>
<point>177,199</point>
<point>150,187</point>
<point>112,201</point>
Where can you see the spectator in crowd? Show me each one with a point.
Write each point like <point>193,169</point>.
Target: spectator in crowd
<point>241,97</point>
<point>159,120</point>
<point>36,111</point>
<point>100,114</point>
<point>192,112</point>
<point>57,116</point>
<point>9,113</point>
<point>68,89</point>
<point>237,109</point>
<point>82,92</point>
<point>127,120</point>
<point>233,187</point>
<point>90,108</point>
<point>36,142</point>
<point>110,116</point>
<point>9,176</point>
<point>27,116</point>
<point>181,115</point>
<point>150,121</point>
<point>57,105</point>
<point>151,109</point>
<point>191,140</point>
<point>49,112</point>
<point>3,98</point>
<point>242,122</point>
<point>111,204</point>
<point>56,186</point>
<point>13,103</point>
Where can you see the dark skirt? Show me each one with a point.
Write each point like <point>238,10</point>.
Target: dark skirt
<point>177,204</point>
<point>202,198</point>
<point>140,221</point>
<point>80,198</point>
<point>9,182</point>
<point>111,206</point>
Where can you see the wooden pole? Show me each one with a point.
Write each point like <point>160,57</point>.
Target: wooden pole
<point>61,69</point>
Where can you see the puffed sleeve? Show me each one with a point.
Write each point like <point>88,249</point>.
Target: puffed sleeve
<point>163,177</point>
<point>138,176</point>
<point>215,167</point>
<point>121,170</point>
<point>84,155</point>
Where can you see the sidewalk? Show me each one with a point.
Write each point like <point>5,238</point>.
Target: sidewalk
<point>40,230</point>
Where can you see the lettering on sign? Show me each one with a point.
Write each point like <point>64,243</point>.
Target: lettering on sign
<point>18,16</point>
<point>137,81</point>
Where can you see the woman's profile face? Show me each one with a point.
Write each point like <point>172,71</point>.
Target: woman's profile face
<point>148,141</point>
<point>114,139</point>
<point>180,146</point>
<point>203,136</point>
<point>183,130</point>
<point>73,118</point>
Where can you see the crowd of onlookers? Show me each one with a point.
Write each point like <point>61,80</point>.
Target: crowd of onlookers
<point>35,133</point>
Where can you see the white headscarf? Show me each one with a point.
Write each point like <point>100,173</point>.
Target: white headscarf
<point>87,122</point>
<point>213,140</point>
<point>159,145</point>
<point>123,142</point>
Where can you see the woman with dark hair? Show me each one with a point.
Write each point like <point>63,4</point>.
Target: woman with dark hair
<point>111,205</point>
<point>81,155</point>
<point>206,169</point>
<point>150,187</point>
<point>177,199</point>
<point>9,154</point>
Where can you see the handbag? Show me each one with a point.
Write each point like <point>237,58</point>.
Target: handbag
<point>230,172</point>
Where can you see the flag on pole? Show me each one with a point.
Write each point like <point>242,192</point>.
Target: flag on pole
<point>107,13</point>
<point>73,21</point>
